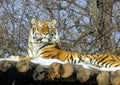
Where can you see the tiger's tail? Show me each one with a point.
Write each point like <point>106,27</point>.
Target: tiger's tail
<point>26,58</point>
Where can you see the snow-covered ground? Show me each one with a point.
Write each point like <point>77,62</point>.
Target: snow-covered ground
<point>47,62</point>
<point>41,61</point>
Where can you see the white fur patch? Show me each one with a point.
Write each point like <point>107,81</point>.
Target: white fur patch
<point>45,40</point>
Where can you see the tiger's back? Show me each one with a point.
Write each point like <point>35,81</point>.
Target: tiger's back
<point>100,60</point>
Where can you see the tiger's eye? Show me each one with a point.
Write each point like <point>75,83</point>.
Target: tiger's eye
<point>52,34</point>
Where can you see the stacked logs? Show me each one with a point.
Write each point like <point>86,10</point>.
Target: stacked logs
<point>62,72</point>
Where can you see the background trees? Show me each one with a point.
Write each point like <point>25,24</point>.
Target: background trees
<point>85,26</point>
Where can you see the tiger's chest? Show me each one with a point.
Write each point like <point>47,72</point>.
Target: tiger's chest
<point>36,50</point>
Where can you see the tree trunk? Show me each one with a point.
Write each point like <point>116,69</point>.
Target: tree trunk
<point>102,21</point>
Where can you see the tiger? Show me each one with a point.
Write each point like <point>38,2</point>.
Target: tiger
<point>44,42</point>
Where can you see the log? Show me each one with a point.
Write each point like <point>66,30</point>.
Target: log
<point>39,73</point>
<point>33,74</point>
<point>5,65</point>
<point>54,71</point>
<point>83,74</point>
<point>57,70</point>
<point>103,78</point>
<point>67,70</point>
<point>116,81</point>
<point>22,66</point>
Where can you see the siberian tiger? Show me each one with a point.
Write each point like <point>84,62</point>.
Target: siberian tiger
<point>44,42</point>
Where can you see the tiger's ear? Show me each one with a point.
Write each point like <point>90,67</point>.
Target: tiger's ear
<point>53,22</point>
<point>33,21</point>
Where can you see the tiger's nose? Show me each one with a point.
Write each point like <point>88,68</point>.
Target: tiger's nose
<point>45,33</point>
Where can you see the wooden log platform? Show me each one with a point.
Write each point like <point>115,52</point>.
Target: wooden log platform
<point>28,73</point>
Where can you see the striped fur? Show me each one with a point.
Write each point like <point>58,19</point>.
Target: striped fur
<point>44,42</point>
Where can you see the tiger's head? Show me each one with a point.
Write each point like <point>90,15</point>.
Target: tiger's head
<point>45,31</point>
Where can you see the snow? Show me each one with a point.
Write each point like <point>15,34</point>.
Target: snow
<point>47,62</point>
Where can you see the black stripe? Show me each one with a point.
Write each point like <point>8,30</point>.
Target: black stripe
<point>102,59</point>
<point>115,58</point>
<point>33,31</point>
<point>104,63</point>
<point>30,50</point>
<point>91,57</point>
<point>65,57</point>
<point>74,61</point>
<point>79,60</point>
<point>71,58</point>
<point>91,60</point>
<point>46,56</point>
<point>97,58</point>
<point>111,64</point>
<point>108,63</point>
<point>45,45</point>
<point>68,60</point>
<point>117,65</point>
<point>55,56</point>
<point>45,52</point>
